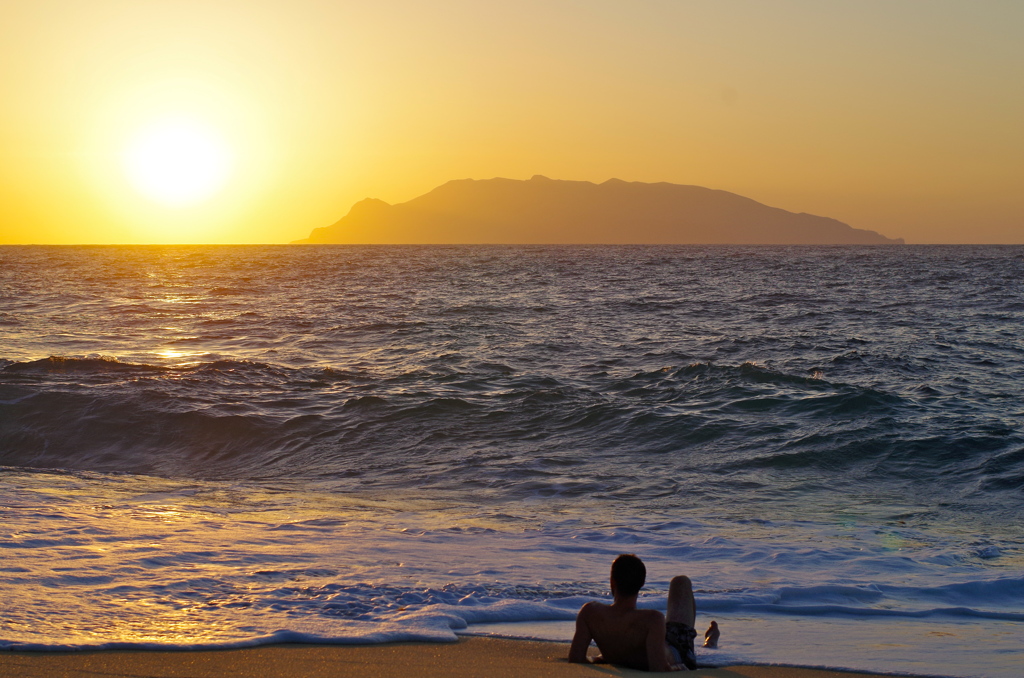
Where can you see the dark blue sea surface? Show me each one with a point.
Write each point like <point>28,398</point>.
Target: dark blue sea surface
<point>816,434</point>
<point>744,379</point>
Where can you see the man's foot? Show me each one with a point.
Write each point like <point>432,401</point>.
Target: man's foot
<point>711,635</point>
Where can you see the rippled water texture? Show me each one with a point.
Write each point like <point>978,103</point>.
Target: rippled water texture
<point>737,379</point>
<point>221,446</point>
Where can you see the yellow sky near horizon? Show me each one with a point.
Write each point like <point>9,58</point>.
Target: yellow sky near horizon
<point>898,116</point>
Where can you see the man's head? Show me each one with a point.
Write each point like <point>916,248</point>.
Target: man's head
<point>628,575</point>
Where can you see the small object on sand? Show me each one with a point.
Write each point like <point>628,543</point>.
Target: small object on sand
<point>711,635</point>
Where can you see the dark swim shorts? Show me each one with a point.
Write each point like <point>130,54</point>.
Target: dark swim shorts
<point>679,637</point>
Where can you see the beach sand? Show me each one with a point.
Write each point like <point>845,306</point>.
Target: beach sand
<point>470,657</point>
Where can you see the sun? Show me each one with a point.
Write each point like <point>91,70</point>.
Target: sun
<point>178,162</point>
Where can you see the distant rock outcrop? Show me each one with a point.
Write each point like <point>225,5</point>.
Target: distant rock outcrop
<point>547,211</point>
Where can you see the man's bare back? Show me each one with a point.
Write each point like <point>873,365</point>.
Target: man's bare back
<point>627,637</point>
<point>640,639</point>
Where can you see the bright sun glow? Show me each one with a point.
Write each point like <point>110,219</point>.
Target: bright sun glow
<point>178,162</point>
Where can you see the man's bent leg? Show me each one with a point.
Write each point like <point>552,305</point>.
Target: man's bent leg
<point>682,613</point>
<point>681,606</point>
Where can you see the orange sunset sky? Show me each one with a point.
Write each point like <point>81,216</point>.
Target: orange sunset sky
<point>232,122</point>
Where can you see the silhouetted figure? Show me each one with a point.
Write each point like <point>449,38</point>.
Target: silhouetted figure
<point>639,639</point>
<point>711,635</point>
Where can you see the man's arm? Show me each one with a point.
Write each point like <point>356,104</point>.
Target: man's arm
<point>581,639</point>
<point>657,659</point>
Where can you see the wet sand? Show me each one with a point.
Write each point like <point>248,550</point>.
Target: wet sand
<point>470,657</point>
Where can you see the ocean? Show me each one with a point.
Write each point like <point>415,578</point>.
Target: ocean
<point>222,446</point>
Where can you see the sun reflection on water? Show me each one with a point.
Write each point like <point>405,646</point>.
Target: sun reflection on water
<point>171,353</point>
<point>180,357</point>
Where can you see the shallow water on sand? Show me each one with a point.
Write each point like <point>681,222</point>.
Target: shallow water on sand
<point>233,445</point>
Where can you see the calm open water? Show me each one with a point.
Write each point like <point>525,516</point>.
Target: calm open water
<point>210,446</point>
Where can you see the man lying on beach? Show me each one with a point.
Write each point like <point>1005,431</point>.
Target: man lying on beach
<point>638,639</point>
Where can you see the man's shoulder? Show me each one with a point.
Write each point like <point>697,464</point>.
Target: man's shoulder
<point>593,607</point>
<point>651,616</point>
<point>642,615</point>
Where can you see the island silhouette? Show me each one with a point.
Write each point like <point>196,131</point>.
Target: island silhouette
<point>549,211</point>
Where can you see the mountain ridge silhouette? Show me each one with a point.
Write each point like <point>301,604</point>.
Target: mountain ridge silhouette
<point>551,211</point>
